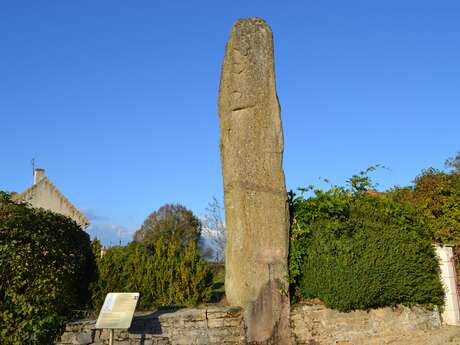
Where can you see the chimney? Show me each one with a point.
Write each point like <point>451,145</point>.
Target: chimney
<point>38,175</point>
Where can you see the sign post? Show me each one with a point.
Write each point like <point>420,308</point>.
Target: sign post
<point>117,312</point>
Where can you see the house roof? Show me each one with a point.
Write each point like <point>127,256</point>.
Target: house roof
<point>44,180</point>
<point>374,192</point>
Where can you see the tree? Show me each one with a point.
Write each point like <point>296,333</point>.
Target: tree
<point>454,163</point>
<point>96,248</point>
<point>170,222</point>
<point>215,230</point>
<point>436,194</point>
<point>164,272</point>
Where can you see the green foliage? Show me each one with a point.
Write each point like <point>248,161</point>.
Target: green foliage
<point>436,195</point>
<point>170,222</point>
<point>96,248</point>
<point>164,273</point>
<point>354,250</point>
<point>218,286</point>
<point>163,263</point>
<point>46,265</point>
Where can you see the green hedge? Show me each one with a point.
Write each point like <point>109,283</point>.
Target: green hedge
<point>357,251</point>
<point>164,273</point>
<point>46,265</point>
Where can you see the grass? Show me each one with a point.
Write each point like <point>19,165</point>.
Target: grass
<point>218,286</point>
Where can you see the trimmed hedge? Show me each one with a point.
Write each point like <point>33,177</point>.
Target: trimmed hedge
<point>357,251</point>
<point>46,265</point>
<point>164,273</point>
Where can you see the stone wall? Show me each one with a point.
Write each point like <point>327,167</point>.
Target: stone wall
<point>310,324</point>
<point>212,325</point>
<point>315,324</point>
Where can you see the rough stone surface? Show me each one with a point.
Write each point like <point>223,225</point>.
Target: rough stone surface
<point>256,208</point>
<point>210,326</point>
<point>317,325</point>
<point>311,325</point>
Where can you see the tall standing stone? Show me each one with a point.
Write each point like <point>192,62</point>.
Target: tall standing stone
<point>256,208</point>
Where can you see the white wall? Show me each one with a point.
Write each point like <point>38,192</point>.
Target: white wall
<point>451,314</point>
<point>45,196</point>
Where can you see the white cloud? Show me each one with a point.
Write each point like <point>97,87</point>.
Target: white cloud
<point>92,215</point>
<point>108,232</point>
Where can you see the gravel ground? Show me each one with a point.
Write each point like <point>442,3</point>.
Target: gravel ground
<point>447,335</point>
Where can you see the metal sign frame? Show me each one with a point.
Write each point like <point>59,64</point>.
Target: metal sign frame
<point>117,312</point>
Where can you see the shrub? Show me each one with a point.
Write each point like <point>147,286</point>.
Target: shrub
<point>357,251</point>
<point>164,273</point>
<point>45,266</point>
<point>436,194</point>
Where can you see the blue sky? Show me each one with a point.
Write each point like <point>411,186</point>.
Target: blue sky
<point>117,100</point>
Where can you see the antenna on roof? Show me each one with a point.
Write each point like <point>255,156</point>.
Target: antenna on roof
<point>33,167</point>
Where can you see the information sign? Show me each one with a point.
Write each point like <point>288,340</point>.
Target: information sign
<point>117,310</point>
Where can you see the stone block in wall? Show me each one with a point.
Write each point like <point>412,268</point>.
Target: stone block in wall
<point>83,339</point>
<point>78,333</point>
<point>157,340</point>
<point>215,323</point>
<point>183,315</point>
<point>120,334</point>
<point>223,312</point>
